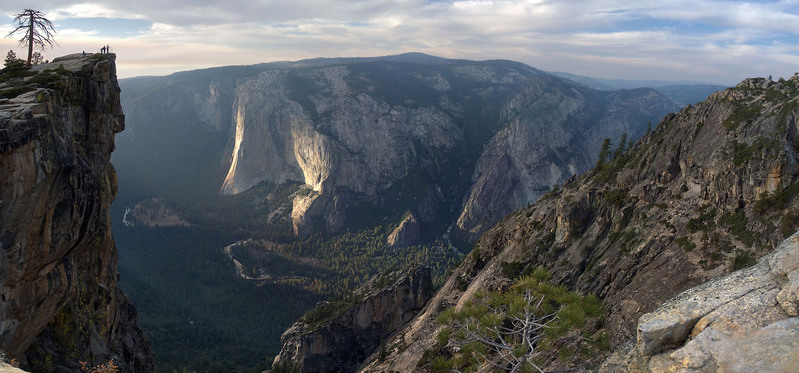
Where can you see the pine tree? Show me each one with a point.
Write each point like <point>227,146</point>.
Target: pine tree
<point>37,58</point>
<point>621,148</point>
<point>604,153</point>
<point>11,59</point>
<point>507,330</point>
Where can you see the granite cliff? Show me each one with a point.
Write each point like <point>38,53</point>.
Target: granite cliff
<point>350,135</point>
<point>711,189</point>
<point>59,300</point>
<point>388,135</point>
<point>339,334</point>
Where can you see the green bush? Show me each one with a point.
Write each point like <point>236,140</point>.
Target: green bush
<point>741,114</point>
<point>685,243</point>
<point>616,197</point>
<point>742,260</point>
<point>16,91</point>
<point>15,70</point>
<point>737,221</point>
<point>498,328</point>
<point>45,77</point>
<point>777,200</point>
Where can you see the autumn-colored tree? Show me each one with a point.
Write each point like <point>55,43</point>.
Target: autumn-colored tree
<point>37,31</point>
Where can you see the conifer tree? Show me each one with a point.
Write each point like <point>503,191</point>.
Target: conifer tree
<point>604,153</point>
<point>507,330</point>
<point>621,147</point>
<point>11,59</point>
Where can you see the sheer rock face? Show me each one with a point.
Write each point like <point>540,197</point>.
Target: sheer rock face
<point>406,234</point>
<point>342,341</point>
<point>743,322</point>
<point>59,300</point>
<point>554,130</point>
<point>363,143</point>
<point>354,131</point>
<point>341,139</point>
<point>711,186</point>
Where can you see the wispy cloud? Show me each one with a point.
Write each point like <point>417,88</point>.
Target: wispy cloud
<point>710,40</point>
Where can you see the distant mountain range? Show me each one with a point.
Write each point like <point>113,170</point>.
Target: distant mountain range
<point>349,129</point>
<point>681,93</point>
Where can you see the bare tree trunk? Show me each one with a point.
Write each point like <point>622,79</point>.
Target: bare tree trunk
<point>30,39</point>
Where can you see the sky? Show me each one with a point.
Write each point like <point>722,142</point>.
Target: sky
<point>719,41</point>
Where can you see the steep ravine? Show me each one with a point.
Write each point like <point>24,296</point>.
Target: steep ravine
<point>708,191</point>
<point>59,300</point>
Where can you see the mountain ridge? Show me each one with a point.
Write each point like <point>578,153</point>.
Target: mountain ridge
<point>710,189</point>
<point>422,94</point>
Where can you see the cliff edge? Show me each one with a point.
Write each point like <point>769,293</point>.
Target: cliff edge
<point>743,322</point>
<point>59,300</point>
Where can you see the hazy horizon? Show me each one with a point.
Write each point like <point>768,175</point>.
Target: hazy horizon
<point>721,42</point>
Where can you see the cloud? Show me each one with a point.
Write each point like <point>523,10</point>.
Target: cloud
<point>717,40</point>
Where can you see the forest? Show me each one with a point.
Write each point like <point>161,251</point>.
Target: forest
<point>200,316</point>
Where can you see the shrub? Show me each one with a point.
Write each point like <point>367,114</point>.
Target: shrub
<point>108,367</point>
<point>511,329</point>
<point>741,114</point>
<point>742,260</point>
<point>685,243</point>
<point>616,197</point>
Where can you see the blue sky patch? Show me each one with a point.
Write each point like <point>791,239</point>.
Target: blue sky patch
<point>109,27</point>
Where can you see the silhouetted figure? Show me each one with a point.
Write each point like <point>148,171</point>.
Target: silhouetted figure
<point>107,49</point>
<point>102,49</point>
<point>84,53</point>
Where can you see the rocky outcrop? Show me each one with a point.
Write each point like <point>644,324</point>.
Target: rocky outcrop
<point>337,336</point>
<point>406,233</point>
<point>59,300</point>
<point>153,213</point>
<point>709,190</point>
<point>743,322</point>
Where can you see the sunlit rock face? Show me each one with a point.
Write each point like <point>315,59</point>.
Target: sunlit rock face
<point>59,300</point>
<point>359,129</point>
